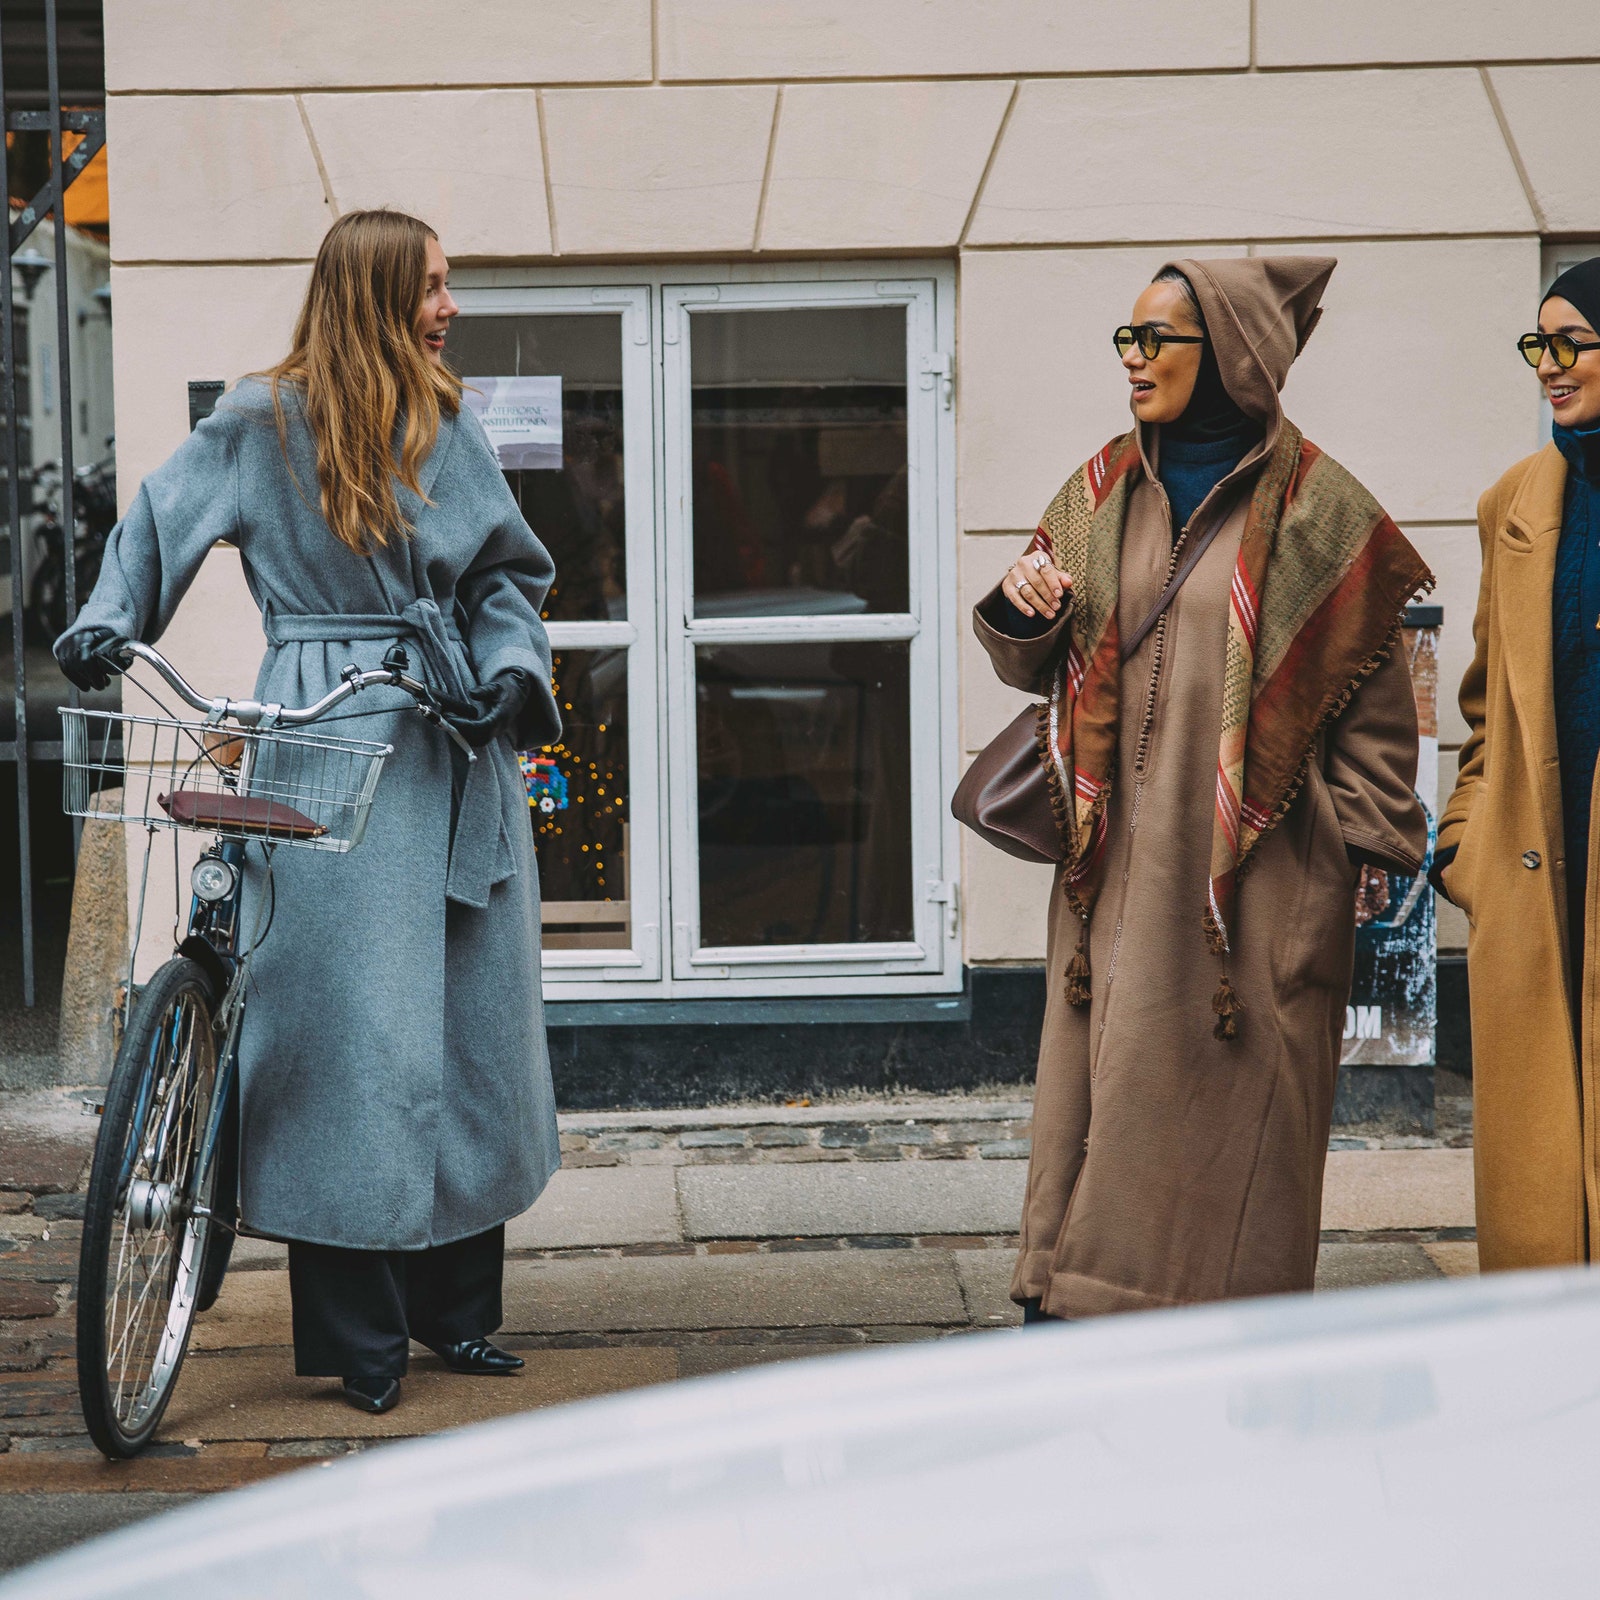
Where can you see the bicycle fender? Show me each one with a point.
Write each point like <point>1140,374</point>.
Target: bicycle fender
<point>204,956</point>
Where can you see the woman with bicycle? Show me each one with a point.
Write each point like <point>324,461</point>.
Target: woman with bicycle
<point>395,1097</point>
<point>1516,849</point>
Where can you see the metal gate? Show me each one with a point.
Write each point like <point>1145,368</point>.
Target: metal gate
<point>33,104</point>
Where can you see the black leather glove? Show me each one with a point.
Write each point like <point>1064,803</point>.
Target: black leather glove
<point>83,659</point>
<point>498,703</point>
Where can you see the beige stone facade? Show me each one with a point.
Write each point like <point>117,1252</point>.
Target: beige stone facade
<point>1056,151</point>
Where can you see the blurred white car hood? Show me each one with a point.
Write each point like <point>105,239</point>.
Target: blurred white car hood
<point>1437,1439</point>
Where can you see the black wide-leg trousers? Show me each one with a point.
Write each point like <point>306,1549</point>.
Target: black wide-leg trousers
<point>355,1311</point>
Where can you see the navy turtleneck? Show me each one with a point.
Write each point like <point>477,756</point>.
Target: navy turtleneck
<point>1192,464</point>
<point>1575,617</point>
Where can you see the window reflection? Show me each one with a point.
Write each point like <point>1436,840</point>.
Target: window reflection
<point>578,803</point>
<point>577,511</point>
<point>804,793</point>
<point>799,461</point>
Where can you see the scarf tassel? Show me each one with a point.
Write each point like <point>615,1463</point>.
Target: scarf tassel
<point>1228,1006</point>
<point>1078,993</point>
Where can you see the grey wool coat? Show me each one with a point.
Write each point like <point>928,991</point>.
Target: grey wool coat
<point>395,1083</point>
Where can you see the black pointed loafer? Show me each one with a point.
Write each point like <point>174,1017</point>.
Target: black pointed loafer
<point>374,1395</point>
<point>478,1356</point>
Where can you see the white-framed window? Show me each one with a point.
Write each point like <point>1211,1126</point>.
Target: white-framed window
<point>752,518</point>
<point>596,834</point>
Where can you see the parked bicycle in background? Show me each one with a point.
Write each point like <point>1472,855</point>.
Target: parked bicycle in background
<point>94,515</point>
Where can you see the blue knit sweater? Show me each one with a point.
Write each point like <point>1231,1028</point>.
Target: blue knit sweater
<point>1575,616</point>
<point>1192,467</point>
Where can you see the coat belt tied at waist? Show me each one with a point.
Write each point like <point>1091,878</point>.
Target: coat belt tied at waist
<point>480,853</point>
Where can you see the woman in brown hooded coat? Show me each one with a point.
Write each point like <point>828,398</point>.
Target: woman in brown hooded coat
<point>1216,793</point>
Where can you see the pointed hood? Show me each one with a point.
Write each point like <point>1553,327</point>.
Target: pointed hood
<point>1259,312</point>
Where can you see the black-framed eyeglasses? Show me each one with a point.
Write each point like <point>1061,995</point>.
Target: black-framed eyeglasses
<point>1149,339</point>
<point>1562,346</point>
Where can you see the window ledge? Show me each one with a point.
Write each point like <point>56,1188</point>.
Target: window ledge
<point>757,1012</point>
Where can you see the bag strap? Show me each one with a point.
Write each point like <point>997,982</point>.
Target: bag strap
<point>1190,561</point>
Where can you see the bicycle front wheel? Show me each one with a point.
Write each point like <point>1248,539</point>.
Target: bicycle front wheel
<point>147,1214</point>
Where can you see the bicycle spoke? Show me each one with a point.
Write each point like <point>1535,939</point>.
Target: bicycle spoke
<point>130,1349</point>
<point>143,1271</point>
<point>167,1082</point>
<point>150,1273</point>
<point>129,1290</point>
<point>126,1346</point>
<point>135,1317</point>
<point>123,1268</point>
<point>126,1301</point>
<point>179,1171</point>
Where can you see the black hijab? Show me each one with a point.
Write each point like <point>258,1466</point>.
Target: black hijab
<point>1581,286</point>
<point>1211,413</point>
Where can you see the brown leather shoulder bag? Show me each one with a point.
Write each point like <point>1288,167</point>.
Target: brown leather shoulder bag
<point>1003,796</point>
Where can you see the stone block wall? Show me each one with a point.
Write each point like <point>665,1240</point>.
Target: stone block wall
<point>1059,150</point>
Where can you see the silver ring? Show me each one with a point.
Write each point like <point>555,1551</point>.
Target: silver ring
<point>1039,562</point>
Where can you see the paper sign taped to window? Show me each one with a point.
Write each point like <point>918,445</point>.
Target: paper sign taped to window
<point>522,417</point>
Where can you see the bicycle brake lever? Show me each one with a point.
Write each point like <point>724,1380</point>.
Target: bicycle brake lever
<point>431,714</point>
<point>452,707</point>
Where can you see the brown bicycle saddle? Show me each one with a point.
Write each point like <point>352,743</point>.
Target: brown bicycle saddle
<point>238,813</point>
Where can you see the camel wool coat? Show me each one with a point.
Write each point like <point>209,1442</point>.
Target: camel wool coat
<point>1533,1068</point>
<point>1168,1166</point>
<point>395,1083</point>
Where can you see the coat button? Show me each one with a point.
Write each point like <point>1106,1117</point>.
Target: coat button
<point>1530,859</point>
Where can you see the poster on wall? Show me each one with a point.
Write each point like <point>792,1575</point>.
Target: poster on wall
<point>1390,1018</point>
<point>522,417</point>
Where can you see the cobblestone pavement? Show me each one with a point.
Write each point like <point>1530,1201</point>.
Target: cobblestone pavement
<point>867,1132</point>
<point>953,1130</point>
<point>608,1285</point>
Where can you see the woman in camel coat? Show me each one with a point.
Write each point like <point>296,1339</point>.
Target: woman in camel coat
<point>1514,842</point>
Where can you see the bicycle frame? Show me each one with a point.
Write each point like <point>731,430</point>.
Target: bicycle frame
<point>213,942</point>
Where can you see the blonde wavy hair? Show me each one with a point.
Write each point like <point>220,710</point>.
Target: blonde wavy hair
<point>359,369</point>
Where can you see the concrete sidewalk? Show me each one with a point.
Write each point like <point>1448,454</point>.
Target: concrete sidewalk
<point>673,1245</point>
<point>585,1208</point>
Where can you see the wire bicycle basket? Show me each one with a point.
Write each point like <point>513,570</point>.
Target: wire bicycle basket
<point>277,786</point>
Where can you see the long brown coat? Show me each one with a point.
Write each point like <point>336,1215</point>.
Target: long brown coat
<point>1169,1167</point>
<point>1534,1093</point>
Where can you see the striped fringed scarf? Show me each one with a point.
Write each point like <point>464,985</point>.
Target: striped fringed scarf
<point>1319,589</point>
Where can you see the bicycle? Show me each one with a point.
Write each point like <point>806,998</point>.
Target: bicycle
<point>160,1216</point>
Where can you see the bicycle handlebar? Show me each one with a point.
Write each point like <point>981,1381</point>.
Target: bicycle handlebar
<point>252,713</point>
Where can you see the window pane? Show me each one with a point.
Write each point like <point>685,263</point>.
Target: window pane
<point>576,509</point>
<point>578,801</point>
<point>804,793</point>
<point>799,446</point>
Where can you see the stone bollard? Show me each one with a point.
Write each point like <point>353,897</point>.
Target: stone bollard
<point>97,951</point>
